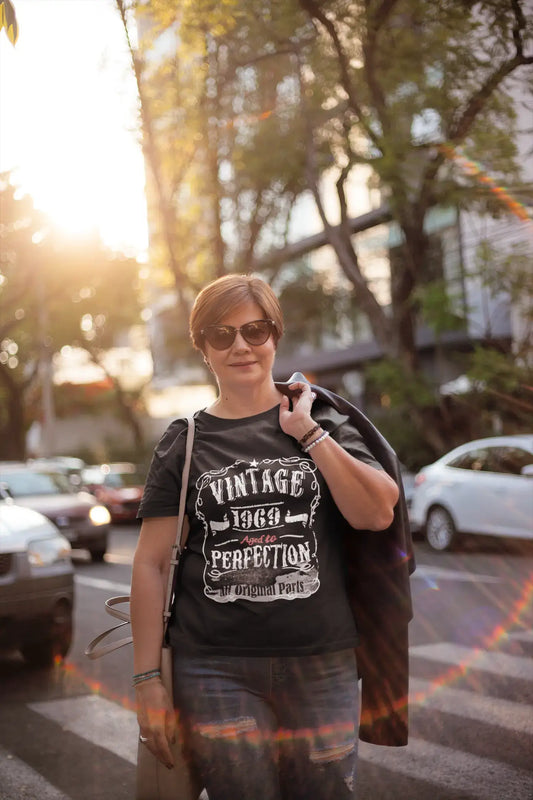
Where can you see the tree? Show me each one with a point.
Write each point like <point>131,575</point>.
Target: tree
<point>53,292</point>
<point>298,98</point>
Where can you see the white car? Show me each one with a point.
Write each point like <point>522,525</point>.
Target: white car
<point>36,586</point>
<point>483,487</point>
<point>80,517</point>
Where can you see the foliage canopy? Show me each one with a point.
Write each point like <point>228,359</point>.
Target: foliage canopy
<point>265,124</point>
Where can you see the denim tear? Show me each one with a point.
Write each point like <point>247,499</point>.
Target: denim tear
<point>337,752</point>
<point>228,728</point>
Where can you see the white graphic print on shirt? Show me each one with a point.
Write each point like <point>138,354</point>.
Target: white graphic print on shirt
<point>259,543</point>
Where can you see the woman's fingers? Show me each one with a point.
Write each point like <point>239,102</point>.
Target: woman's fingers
<point>170,727</point>
<point>162,749</point>
<point>157,743</point>
<point>303,394</point>
<point>157,722</point>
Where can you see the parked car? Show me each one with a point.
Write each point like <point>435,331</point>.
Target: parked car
<point>408,480</point>
<point>36,586</point>
<point>118,486</point>
<point>482,487</point>
<point>80,517</point>
<point>71,467</point>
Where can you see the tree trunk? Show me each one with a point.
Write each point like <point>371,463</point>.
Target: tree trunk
<point>405,277</point>
<point>13,433</point>
<point>128,415</point>
<point>125,409</point>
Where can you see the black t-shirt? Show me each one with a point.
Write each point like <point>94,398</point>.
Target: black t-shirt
<point>262,573</point>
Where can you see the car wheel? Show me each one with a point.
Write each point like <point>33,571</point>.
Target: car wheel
<point>54,648</point>
<point>98,554</point>
<point>98,549</point>
<point>441,533</point>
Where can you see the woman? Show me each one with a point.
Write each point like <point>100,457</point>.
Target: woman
<point>265,677</point>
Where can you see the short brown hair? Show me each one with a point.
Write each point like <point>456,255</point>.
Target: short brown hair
<point>223,295</point>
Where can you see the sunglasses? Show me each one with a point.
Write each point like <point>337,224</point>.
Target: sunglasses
<point>220,337</point>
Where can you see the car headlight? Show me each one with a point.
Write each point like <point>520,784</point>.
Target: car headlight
<point>99,515</point>
<point>43,552</point>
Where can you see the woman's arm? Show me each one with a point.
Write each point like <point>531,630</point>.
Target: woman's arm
<point>151,566</point>
<point>365,496</point>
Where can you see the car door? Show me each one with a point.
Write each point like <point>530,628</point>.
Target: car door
<point>491,496</point>
<point>473,492</point>
<point>515,491</point>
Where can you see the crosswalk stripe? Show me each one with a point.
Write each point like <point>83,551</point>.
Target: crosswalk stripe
<point>96,720</point>
<point>108,725</point>
<point>21,781</point>
<point>101,583</point>
<point>478,777</point>
<point>488,661</point>
<point>492,710</point>
<point>425,571</point>
<point>118,558</point>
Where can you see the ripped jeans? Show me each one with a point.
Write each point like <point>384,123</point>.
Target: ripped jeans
<point>280,728</point>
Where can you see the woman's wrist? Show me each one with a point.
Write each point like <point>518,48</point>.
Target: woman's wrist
<point>142,684</point>
<point>317,440</point>
<point>143,677</point>
<point>309,434</point>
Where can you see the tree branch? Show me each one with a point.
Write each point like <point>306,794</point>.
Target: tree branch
<point>474,106</point>
<point>375,22</point>
<point>314,11</point>
<point>150,151</point>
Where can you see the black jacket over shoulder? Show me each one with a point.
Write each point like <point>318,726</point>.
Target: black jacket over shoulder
<point>378,567</point>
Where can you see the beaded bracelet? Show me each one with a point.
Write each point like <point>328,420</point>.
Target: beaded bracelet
<point>145,676</point>
<point>308,435</point>
<point>316,441</point>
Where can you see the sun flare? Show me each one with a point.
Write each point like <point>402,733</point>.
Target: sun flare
<point>68,123</point>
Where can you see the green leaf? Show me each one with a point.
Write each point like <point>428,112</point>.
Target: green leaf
<point>8,20</point>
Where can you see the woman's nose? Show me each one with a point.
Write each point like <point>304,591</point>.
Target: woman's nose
<point>240,342</point>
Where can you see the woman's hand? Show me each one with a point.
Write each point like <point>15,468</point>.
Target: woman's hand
<point>365,496</point>
<point>298,421</point>
<point>157,720</point>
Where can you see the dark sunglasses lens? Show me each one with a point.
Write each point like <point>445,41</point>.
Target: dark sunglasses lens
<point>220,337</point>
<point>256,332</point>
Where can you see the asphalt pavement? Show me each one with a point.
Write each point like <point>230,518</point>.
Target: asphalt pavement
<point>71,733</point>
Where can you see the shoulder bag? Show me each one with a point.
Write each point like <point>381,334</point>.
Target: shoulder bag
<point>153,780</point>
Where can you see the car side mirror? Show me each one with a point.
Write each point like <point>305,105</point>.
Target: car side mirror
<point>527,471</point>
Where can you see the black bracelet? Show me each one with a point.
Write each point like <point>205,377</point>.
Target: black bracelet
<point>308,435</point>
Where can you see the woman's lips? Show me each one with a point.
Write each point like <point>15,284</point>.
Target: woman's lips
<point>243,364</point>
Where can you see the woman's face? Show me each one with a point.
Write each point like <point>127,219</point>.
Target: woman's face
<point>242,365</point>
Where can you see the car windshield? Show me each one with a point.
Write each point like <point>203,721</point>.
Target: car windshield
<point>95,475</point>
<point>121,480</point>
<point>24,483</point>
<point>113,480</point>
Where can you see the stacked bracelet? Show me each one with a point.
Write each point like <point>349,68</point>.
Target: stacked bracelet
<point>308,435</point>
<point>316,441</point>
<point>145,676</point>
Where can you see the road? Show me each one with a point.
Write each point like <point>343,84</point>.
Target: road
<point>70,734</point>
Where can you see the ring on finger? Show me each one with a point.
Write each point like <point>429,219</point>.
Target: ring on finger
<point>143,739</point>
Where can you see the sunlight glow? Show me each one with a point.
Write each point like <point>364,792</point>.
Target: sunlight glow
<point>69,119</point>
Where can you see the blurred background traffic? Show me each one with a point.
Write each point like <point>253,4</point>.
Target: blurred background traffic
<point>375,167</point>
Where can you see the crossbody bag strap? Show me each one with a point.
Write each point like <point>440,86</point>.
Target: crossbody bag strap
<point>182,530</point>
<point>96,649</point>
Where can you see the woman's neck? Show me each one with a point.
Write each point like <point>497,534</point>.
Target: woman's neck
<point>232,404</point>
